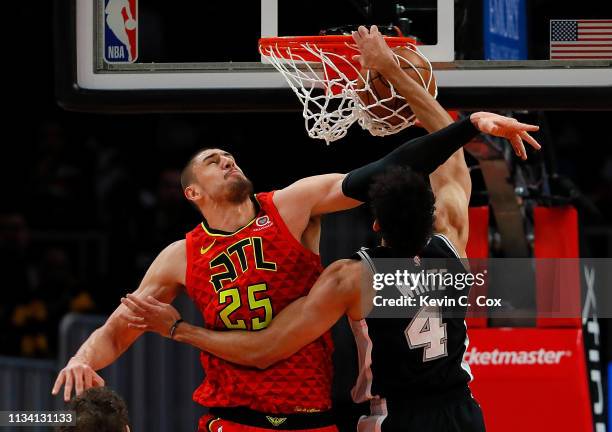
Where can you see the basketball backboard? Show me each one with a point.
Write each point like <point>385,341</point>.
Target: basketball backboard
<point>151,55</point>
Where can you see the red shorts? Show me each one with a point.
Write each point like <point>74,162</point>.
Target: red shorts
<point>211,423</point>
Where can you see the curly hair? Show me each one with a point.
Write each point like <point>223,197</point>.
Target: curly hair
<point>404,205</point>
<point>98,409</point>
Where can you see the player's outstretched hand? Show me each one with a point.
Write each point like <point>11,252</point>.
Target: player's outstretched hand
<point>149,314</point>
<point>374,51</point>
<point>509,128</point>
<point>77,375</point>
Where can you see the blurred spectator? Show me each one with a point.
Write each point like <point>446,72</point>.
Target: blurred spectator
<point>53,292</point>
<point>39,288</point>
<point>17,276</point>
<point>98,409</point>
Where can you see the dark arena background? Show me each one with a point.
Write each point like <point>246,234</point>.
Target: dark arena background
<point>90,192</point>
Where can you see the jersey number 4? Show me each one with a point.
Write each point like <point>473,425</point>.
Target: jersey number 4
<point>426,330</point>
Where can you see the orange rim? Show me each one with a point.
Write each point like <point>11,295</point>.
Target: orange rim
<point>339,44</point>
<point>339,49</point>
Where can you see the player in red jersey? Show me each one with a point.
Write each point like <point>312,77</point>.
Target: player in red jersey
<point>250,257</point>
<point>404,362</point>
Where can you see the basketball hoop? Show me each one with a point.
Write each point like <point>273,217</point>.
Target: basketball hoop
<point>331,87</point>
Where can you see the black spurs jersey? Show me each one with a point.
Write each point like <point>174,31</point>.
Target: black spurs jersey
<point>419,356</point>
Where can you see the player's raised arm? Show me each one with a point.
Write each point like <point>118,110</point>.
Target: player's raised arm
<point>375,54</point>
<point>163,280</point>
<point>450,181</point>
<point>336,292</point>
<point>328,193</point>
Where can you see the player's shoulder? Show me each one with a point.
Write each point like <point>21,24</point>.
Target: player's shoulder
<point>173,256</point>
<point>170,265</point>
<point>176,247</point>
<point>288,198</point>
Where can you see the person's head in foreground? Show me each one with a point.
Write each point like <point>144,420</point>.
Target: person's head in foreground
<point>403,204</point>
<point>212,175</point>
<point>98,409</point>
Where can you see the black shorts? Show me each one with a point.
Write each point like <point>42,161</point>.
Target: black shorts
<point>456,411</point>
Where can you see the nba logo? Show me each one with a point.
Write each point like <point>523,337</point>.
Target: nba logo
<point>120,31</point>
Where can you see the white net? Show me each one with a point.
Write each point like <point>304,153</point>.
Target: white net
<point>335,94</point>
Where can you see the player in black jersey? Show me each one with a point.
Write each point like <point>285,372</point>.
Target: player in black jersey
<point>411,368</point>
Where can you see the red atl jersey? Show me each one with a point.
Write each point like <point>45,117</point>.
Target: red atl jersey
<point>241,280</point>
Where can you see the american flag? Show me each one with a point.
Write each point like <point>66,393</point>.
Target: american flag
<point>581,39</point>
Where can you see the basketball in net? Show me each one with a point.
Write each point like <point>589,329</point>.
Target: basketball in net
<point>333,90</point>
<point>388,110</point>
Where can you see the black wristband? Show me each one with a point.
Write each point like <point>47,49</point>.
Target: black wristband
<point>423,154</point>
<point>174,326</point>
